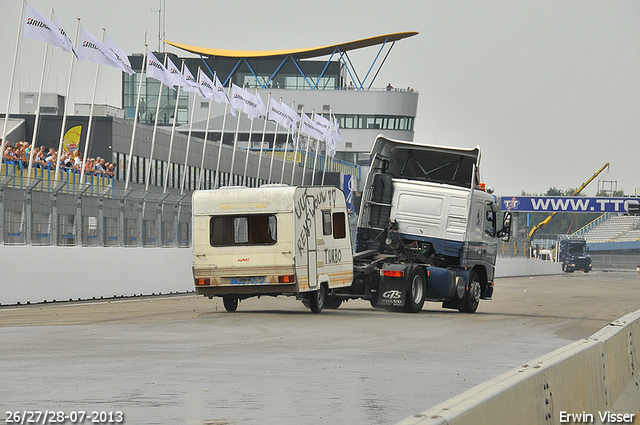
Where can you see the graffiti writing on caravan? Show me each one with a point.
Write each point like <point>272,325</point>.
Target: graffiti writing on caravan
<point>333,255</point>
<point>306,208</point>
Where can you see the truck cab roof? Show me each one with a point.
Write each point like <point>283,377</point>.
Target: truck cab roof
<point>439,164</point>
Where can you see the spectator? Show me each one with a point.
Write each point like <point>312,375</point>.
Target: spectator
<point>89,166</point>
<point>389,87</point>
<point>351,86</point>
<point>109,170</point>
<point>38,158</point>
<point>50,160</point>
<point>9,155</point>
<point>98,166</point>
<point>77,162</point>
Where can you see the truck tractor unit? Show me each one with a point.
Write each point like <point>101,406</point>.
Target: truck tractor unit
<point>427,230</point>
<point>573,253</point>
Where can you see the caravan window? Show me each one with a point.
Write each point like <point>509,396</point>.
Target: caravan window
<point>326,222</point>
<point>255,229</point>
<point>339,226</point>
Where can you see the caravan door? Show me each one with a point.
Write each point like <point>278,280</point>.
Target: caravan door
<point>312,252</point>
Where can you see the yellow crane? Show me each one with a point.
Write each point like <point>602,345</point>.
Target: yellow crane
<point>544,222</point>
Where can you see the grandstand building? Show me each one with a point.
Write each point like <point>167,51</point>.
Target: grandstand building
<point>152,208</point>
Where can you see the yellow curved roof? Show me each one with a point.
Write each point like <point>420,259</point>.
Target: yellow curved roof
<point>296,53</point>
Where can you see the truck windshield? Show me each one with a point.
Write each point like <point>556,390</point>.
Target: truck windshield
<point>576,249</point>
<point>254,229</point>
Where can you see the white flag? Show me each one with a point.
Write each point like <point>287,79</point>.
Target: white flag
<point>333,139</point>
<point>205,84</point>
<point>94,50</point>
<point>310,128</point>
<point>245,101</point>
<point>157,71</point>
<point>221,94</point>
<point>120,55</point>
<point>67,41</point>
<point>322,122</point>
<point>291,113</point>
<point>261,107</point>
<point>176,76</point>
<point>210,90</point>
<point>331,148</point>
<point>38,27</point>
<point>192,83</point>
<point>336,130</point>
<point>282,114</point>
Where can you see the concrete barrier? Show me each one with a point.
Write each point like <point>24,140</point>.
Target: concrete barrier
<point>33,274</point>
<point>513,267</point>
<point>595,380</point>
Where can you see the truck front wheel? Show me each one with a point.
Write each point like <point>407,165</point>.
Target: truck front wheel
<point>317,299</point>
<point>472,297</point>
<point>415,294</point>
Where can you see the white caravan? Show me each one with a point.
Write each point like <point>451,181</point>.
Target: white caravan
<point>273,240</point>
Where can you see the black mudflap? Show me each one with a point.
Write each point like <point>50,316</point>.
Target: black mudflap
<point>391,294</point>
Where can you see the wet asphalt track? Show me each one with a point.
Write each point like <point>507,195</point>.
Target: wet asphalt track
<point>184,360</point>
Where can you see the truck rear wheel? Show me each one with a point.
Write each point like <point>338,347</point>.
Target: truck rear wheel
<point>415,294</point>
<point>317,299</point>
<point>332,303</point>
<point>472,296</point>
<point>230,303</point>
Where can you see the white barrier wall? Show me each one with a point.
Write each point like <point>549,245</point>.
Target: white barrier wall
<point>513,267</point>
<point>595,378</point>
<point>32,274</point>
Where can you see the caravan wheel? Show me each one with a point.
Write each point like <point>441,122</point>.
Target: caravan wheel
<point>230,303</point>
<point>317,299</point>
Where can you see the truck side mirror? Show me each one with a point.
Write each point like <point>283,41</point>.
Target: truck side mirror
<point>505,232</point>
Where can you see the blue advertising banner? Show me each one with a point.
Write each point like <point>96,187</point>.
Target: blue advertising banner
<point>566,204</point>
<point>348,189</point>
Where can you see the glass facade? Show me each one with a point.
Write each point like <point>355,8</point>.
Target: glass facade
<point>378,122</point>
<point>149,101</point>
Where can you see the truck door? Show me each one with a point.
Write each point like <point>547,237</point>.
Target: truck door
<point>489,240</point>
<point>312,253</point>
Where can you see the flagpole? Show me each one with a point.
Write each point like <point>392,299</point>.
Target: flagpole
<point>173,126</point>
<point>224,120</point>
<point>155,127</point>
<point>295,155</point>
<point>286,146</point>
<point>273,151</point>
<point>93,101</point>
<point>306,152</point>
<point>326,156</point>
<point>13,73</point>
<point>204,147</point>
<point>135,119</point>
<point>264,131</point>
<point>186,155</point>
<point>66,104</point>
<point>37,122</point>
<point>246,158</point>
<point>315,162</point>
<point>235,140</point>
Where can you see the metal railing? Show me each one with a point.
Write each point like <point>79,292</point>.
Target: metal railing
<point>41,211</point>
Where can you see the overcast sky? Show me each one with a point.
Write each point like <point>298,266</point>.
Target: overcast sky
<point>550,90</point>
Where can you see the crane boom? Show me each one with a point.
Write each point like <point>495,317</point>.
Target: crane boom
<point>546,221</point>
